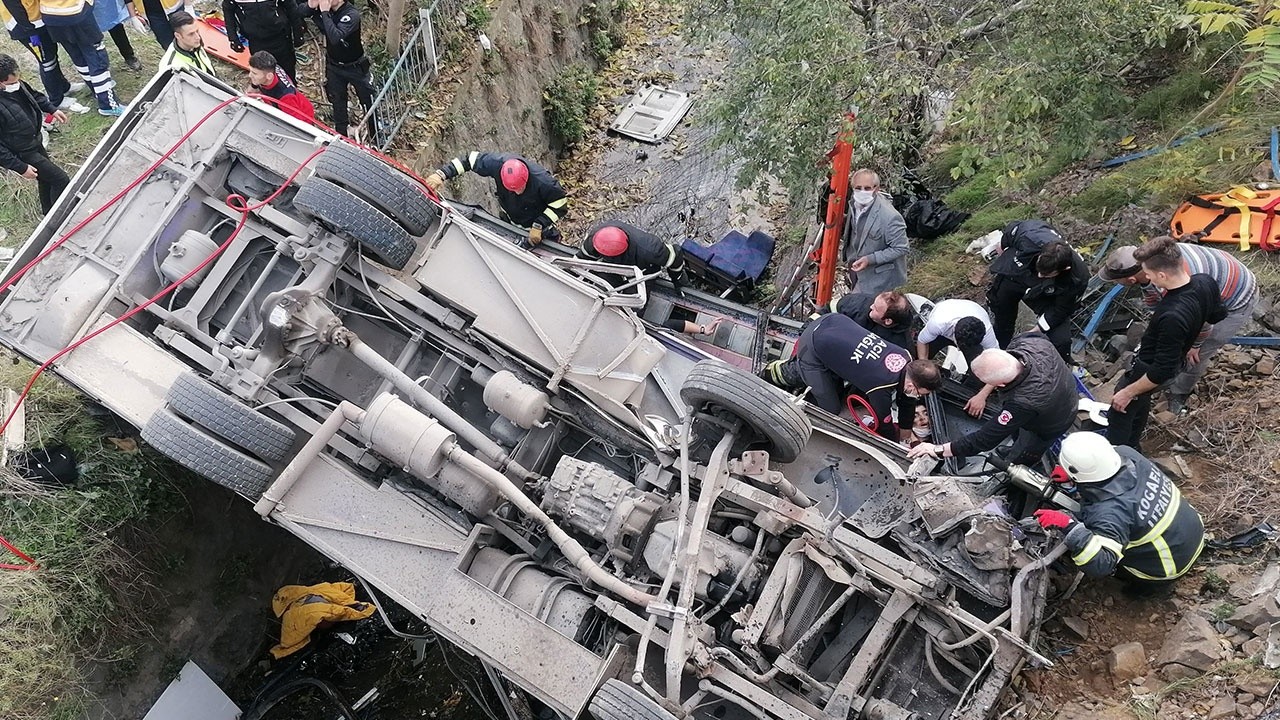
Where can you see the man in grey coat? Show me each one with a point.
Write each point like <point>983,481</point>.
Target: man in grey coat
<point>874,243</point>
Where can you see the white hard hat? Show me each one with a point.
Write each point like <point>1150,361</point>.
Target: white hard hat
<point>1088,457</point>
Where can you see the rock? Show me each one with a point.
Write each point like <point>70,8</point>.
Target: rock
<point>1108,601</point>
<point>1261,611</point>
<point>1127,661</point>
<point>1246,698</point>
<point>1266,367</point>
<point>1235,360</point>
<point>1077,627</point>
<point>1271,655</point>
<point>1164,417</point>
<point>1258,686</point>
<point>1191,644</point>
<point>1235,384</point>
<point>1224,707</point>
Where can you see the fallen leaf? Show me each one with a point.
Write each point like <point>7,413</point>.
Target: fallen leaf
<point>124,444</point>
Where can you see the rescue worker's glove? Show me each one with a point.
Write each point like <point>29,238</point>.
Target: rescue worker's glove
<point>1059,474</point>
<point>435,181</point>
<point>1053,519</point>
<point>236,46</point>
<point>535,235</point>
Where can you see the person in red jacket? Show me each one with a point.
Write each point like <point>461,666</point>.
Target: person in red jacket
<point>269,79</point>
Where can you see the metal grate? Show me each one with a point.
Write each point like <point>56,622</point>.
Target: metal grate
<point>419,62</point>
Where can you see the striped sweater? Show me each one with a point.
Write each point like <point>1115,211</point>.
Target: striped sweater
<point>1238,285</point>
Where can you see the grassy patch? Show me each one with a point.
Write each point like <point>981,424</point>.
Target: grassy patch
<point>71,143</point>
<point>568,98</point>
<point>1213,163</point>
<point>1186,90</point>
<point>71,608</point>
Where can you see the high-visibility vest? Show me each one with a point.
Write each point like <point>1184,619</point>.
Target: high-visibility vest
<point>199,60</point>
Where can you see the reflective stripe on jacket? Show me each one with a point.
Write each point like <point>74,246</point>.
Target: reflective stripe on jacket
<point>181,60</point>
<point>62,8</point>
<point>1137,522</point>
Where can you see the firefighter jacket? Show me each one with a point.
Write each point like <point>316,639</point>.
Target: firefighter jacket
<point>1041,400</point>
<point>1136,522</point>
<point>644,250</point>
<point>1053,299</point>
<point>543,200</point>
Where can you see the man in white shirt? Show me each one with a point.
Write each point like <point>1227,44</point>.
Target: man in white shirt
<point>959,322</point>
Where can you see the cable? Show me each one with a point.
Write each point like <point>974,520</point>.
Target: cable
<point>282,401</point>
<point>429,636</point>
<point>235,201</point>
<point>259,710</point>
<point>365,280</point>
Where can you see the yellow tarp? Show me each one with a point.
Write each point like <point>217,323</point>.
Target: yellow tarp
<point>303,608</point>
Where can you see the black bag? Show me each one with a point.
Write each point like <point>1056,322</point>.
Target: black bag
<point>928,218</point>
<point>54,465</point>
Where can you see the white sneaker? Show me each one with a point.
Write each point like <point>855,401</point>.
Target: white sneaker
<point>72,105</point>
<point>77,88</point>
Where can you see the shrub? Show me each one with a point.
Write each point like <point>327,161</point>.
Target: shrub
<point>567,100</point>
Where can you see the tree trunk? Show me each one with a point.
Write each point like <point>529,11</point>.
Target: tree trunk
<point>395,25</point>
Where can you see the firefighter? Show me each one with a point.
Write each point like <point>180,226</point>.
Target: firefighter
<point>1132,523</point>
<point>72,25</point>
<point>1037,267</point>
<point>187,50</point>
<point>1038,401</point>
<point>622,243</point>
<point>1190,302</point>
<point>834,351</point>
<point>887,314</point>
<point>345,64</point>
<point>22,19</point>
<point>267,25</point>
<point>528,193</point>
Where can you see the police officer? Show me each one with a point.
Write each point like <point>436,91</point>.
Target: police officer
<point>1037,267</point>
<point>887,314</point>
<point>345,64</point>
<point>1038,401</point>
<point>834,350</point>
<point>267,25</point>
<point>622,243</point>
<point>528,193</point>
<point>1132,523</point>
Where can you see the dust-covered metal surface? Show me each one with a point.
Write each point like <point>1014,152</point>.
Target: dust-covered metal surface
<point>613,521</point>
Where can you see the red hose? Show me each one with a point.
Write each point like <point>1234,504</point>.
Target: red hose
<point>234,201</point>
<point>31,564</point>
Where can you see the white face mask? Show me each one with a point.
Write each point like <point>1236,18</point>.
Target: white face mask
<point>863,198</point>
<point>13,88</point>
<point>921,432</point>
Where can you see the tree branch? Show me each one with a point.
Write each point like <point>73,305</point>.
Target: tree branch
<point>992,23</point>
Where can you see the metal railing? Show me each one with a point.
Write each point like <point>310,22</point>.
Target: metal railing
<point>418,63</point>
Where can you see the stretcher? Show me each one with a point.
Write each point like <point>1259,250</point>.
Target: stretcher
<point>1241,216</point>
<point>214,34</point>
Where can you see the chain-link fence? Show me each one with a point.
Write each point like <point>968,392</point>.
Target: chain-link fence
<point>419,62</point>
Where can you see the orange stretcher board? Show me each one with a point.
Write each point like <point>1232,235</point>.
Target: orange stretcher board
<point>1241,216</point>
<point>217,45</point>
